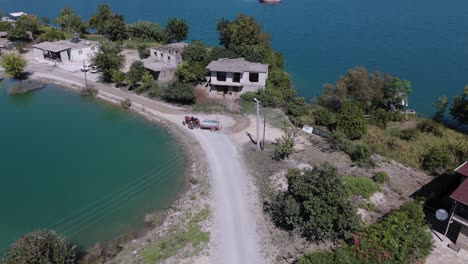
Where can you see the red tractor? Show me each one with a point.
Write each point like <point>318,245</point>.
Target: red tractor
<point>191,122</point>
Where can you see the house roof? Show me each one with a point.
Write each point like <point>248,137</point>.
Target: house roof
<point>461,193</point>
<point>156,66</point>
<point>17,14</point>
<point>3,34</point>
<point>51,46</point>
<point>61,45</point>
<point>236,65</point>
<point>462,169</point>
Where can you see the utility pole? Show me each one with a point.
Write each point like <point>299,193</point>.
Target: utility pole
<point>264,129</point>
<point>258,122</point>
<point>85,70</point>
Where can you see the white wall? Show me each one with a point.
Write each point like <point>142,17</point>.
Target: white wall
<point>38,53</point>
<point>164,57</point>
<point>243,81</point>
<point>86,53</point>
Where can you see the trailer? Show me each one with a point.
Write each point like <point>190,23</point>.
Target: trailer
<point>212,125</point>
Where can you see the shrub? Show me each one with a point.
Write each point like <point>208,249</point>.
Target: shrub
<point>316,205</point>
<point>409,134</point>
<point>436,160</point>
<point>380,118</point>
<point>89,91</point>
<point>249,96</point>
<point>430,126</point>
<point>397,116</point>
<point>360,152</point>
<point>401,237</point>
<point>298,109</point>
<point>324,117</point>
<point>362,186</point>
<point>143,51</point>
<point>126,104</point>
<point>351,120</point>
<point>381,177</point>
<point>285,145</point>
<point>178,92</point>
<point>41,246</point>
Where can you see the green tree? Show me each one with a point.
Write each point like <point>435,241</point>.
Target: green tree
<point>191,72</point>
<point>135,73</point>
<point>395,92</point>
<point>351,121</point>
<point>147,31</point>
<point>5,26</point>
<point>52,34</point>
<point>242,31</point>
<point>459,109</point>
<point>68,21</point>
<point>24,24</point>
<point>437,160</point>
<point>41,246</point>
<point>176,30</point>
<point>380,118</point>
<point>179,92</point>
<point>118,77</point>
<point>316,205</point>
<point>147,83</point>
<point>108,59</point>
<point>196,51</point>
<point>14,65</point>
<point>299,111</point>
<point>441,107</point>
<point>219,52</point>
<point>108,24</point>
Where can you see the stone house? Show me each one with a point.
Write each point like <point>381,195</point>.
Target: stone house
<point>12,17</point>
<point>164,60</point>
<point>74,50</point>
<point>228,76</point>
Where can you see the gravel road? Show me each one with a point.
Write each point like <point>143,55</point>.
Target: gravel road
<point>234,221</point>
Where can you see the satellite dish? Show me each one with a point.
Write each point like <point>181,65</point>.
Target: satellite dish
<point>441,215</point>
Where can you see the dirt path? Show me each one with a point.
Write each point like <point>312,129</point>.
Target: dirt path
<point>235,227</point>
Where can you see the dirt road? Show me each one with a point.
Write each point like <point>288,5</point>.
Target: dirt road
<point>235,227</point>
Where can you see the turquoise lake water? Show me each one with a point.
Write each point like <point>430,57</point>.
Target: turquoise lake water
<point>425,41</point>
<point>89,170</point>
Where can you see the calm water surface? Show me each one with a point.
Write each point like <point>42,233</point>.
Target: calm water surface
<point>88,170</point>
<point>424,41</point>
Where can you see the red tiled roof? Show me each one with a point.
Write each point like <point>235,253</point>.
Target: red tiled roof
<point>461,193</point>
<point>463,169</point>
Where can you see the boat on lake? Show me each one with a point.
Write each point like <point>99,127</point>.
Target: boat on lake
<point>270,1</point>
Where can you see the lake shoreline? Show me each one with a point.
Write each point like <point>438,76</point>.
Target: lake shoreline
<point>196,166</point>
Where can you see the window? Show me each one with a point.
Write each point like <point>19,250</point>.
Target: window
<point>168,58</point>
<point>253,77</point>
<point>236,77</point>
<point>221,76</point>
<point>80,52</point>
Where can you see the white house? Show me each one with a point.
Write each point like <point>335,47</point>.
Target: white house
<point>12,17</point>
<point>164,60</point>
<point>236,75</point>
<point>66,50</point>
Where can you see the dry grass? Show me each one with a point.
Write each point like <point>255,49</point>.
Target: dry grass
<point>387,142</point>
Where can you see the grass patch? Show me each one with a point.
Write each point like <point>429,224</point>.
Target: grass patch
<point>381,177</point>
<point>361,186</point>
<point>177,239</point>
<point>388,142</point>
<point>135,43</point>
<point>210,108</point>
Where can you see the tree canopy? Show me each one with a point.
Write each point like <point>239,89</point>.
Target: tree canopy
<point>13,64</point>
<point>24,24</point>
<point>41,246</point>
<point>68,21</point>
<point>242,31</point>
<point>316,205</point>
<point>351,121</point>
<point>147,31</point>
<point>135,73</point>
<point>459,109</point>
<point>176,30</point>
<point>108,23</point>
<point>108,59</point>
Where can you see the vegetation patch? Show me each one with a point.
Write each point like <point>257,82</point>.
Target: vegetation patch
<point>177,239</point>
<point>401,237</point>
<point>381,177</point>
<point>361,186</point>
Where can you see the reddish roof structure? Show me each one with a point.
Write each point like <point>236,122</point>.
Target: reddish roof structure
<point>461,193</point>
<point>463,169</point>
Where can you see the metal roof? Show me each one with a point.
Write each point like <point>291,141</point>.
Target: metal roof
<point>462,169</point>
<point>461,193</point>
<point>236,65</point>
<point>17,14</point>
